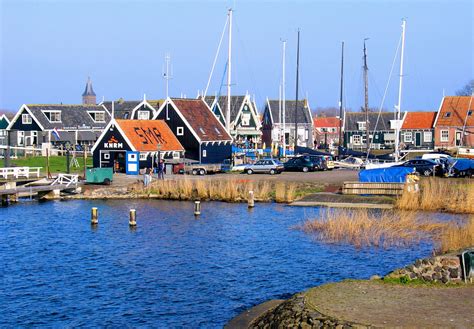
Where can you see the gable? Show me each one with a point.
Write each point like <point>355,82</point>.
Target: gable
<point>17,122</point>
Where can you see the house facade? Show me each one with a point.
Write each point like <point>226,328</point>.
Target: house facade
<point>133,110</point>
<point>245,126</point>
<point>454,123</point>
<point>148,141</point>
<point>326,131</point>
<point>417,132</point>
<point>197,128</point>
<point>49,125</point>
<point>381,130</point>
<point>4,122</point>
<point>274,129</point>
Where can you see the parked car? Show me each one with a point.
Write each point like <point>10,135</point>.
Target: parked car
<point>424,167</point>
<point>266,166</point>
<point>349,163</point>
<point>321,162</point>
<point>299,164</point>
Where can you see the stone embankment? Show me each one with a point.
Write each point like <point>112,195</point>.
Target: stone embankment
<point>295,313</point>
<point>446,268</point>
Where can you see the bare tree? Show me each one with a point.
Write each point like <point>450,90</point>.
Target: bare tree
<point>466,90</point>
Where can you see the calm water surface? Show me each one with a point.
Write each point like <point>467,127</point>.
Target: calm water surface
<point>172,271</point>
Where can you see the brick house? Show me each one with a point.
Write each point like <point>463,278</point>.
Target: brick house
<point>326,131</point>
<point>454,123</point>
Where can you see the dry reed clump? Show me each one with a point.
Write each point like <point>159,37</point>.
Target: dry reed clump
<point>285,192</point>
<point>362,228</point>
<point>457,236</point>
<point>440,194</point>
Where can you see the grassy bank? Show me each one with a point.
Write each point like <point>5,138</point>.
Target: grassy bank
<point>56,163</point>
<point>363,228</point>
<point>229,190</point>
<point>437,194</point>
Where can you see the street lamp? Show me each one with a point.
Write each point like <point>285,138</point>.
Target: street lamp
<point>158,154</point>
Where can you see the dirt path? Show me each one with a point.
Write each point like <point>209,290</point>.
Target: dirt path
<point>391,305</point>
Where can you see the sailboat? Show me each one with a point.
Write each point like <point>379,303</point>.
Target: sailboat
<point>397,122</point>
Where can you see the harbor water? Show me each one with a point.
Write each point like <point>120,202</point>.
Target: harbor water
<point>172,270</point>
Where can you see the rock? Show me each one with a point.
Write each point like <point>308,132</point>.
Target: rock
<point>436,276</point>
<point>418,262</point>
<point>413,276</point>
<point>375,277</point>
<point>427,277</point>
<point>454,272</point>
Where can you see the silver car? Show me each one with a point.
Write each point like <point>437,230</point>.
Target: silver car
<point>266,166</point>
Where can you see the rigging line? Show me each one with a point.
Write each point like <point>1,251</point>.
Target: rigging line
<point>386,88</point>
<point>215,58</point>
<point>465,120</point>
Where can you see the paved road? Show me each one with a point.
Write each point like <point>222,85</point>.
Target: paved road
<point>333,177</point>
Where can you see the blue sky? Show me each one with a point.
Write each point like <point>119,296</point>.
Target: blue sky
<point>49,48</point>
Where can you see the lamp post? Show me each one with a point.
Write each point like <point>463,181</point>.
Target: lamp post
<point>158,155</point>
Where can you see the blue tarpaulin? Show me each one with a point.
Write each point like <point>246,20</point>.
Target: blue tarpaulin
<point>464,164</point>
<point>385,175</point>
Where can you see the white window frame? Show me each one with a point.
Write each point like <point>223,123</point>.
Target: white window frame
<point>106,156</point>
<point>246,119</point>
<point>93,115</point>
<point>408,137</point>
<point>358,138</point>
<point>143,156</point>
<point>427,136</point>
<point>204,153</point>
<point>20,138</point>
<point>179,131</point>
<point>26,119</point>
<point>176,155</point>
<point>51,113</point>
<point>362,125</point>
<point>143,115</point>
<point>444,138</point>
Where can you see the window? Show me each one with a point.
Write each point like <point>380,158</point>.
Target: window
<point>143,156</point>
<point>408,138</point>
<point>176,155</point>
<point>143,115</point>
<point>53,116</point>
<point>356,139</point>
<point>26,119</point>
<point>106,156</point>
<point>179,131</point>
<point>306,134</point>
<point>333,130</point>
<point>362,125</point>
<point>469,113</point>
<point>97,116</point>
<point>204,153</point>
<point>245,119</point>
<point>447,114</point>
<point>444,135</point>
<point>21,137</point>
<point>427,136</point>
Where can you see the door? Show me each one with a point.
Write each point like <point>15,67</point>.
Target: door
<point>132,166</point>
<point>418,139</point>
<point>458,138</point>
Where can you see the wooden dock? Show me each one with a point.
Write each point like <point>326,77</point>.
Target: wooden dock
<point>363,188</point>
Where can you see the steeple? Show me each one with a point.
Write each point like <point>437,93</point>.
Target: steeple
<point>89,97</point>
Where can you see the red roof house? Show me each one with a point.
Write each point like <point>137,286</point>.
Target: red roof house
<point>417,130</point>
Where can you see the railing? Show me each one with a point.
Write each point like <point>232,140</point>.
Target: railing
<point>65,179</point>
<point>18,172</point>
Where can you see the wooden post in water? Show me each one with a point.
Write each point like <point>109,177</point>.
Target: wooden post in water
<point>197,208</point>
<point>94,216</point>
<point>133,218</point>
<point>251,201</point>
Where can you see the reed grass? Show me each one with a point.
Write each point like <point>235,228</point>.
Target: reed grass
<point>364,228</point>
<point>230,190</point>
<point>436,194</point>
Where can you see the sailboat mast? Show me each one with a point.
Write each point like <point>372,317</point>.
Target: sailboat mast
<point>341,94</point>
<point>297,80</point>
<point>366,107</point>
<point>398,107</point>
<point>229,74</point>
<point>283,114</point>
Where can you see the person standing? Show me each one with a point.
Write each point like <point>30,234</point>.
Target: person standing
<point>161,169</point>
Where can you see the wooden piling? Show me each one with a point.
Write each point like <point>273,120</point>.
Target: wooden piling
<point>251,200</point>
<point>197,208</point>
<point>94,216</point>
<point>133,218</point>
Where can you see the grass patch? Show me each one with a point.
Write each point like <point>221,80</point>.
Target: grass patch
<point>364,228</point>
<point>56,163</point>
<point>437,194</point>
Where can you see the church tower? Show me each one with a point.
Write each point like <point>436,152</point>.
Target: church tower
<point>89,97</point>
